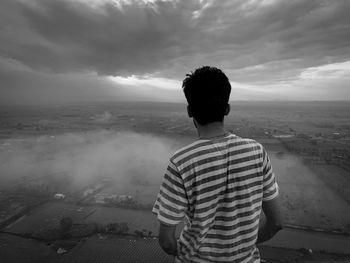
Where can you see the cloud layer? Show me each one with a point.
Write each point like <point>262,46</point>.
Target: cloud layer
<point>255,42</point>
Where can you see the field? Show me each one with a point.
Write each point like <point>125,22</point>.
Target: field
<point>23,250</point>
<point>306,199</point>
<point>111,249</point>
<point>115,150</point>
<point>48,215</point>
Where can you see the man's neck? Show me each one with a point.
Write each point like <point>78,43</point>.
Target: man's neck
<point>210,130</point>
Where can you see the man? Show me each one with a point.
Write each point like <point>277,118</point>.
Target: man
<point>220,183</point>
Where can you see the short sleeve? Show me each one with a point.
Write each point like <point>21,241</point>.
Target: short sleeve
<point>270,186</point>
<point>171,204</point>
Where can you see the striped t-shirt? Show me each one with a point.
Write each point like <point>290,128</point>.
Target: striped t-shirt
<point>218,185</point>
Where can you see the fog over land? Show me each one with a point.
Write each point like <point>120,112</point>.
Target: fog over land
<point>85,157</point>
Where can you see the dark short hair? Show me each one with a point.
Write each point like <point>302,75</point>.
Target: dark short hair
<point>207,90</point>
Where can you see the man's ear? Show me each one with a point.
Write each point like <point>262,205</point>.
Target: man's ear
<point>189,111</point>
<point>228,108</point>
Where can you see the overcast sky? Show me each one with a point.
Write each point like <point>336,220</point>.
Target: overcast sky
<point>56,51</point>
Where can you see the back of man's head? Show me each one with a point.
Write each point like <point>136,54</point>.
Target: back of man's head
<point>207,90</point>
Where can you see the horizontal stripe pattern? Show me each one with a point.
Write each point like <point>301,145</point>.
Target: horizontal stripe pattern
<point>219,185</point>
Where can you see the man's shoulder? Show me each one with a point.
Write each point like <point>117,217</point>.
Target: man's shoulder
<point>251,142</point>
<point>203,145</point>
<point>187,150</point>
<point>247,143</point>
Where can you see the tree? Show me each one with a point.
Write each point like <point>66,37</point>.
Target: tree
<point>123,228</point>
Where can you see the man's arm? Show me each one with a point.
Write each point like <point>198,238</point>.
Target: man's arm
<point>273,222</point>
<point>167,239</point>
<point>170,207</point>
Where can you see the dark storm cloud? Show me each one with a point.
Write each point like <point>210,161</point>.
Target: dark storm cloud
<point>23,86</point>
<point>282,37</point>
<point>109,39</point>
<point>167,38</point>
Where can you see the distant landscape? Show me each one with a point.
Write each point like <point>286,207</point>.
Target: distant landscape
<point>76,170</point>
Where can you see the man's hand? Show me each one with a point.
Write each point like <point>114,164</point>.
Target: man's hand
<point>167,239</point>
<point>273,222</point>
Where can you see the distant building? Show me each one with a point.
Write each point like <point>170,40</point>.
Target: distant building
<point>88,192</point>
<point>103,198</point>
<point>59,196</point>
<point>123,198</point>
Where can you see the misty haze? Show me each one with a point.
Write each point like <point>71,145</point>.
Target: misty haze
<point>92,108</point>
